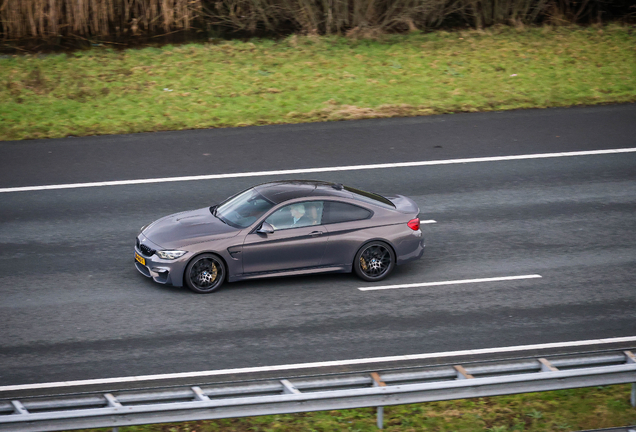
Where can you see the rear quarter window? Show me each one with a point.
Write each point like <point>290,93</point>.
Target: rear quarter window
<point>336,212</point>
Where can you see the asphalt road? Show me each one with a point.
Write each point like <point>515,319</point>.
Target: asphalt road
<point>74,307</point>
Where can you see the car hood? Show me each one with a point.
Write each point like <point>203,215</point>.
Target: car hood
<point>182,229</point>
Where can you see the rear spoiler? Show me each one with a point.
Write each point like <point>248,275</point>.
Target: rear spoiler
<point>404,204</point>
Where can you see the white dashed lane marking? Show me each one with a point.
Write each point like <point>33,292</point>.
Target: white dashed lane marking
<point>452,282</point>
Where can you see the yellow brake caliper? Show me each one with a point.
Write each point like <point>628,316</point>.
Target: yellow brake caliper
<point>363,264</point>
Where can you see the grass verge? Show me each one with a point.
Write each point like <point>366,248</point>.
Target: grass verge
<point>564,410</point>
<point>305,79</point>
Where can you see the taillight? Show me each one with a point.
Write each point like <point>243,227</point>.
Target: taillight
<point>414,224</point>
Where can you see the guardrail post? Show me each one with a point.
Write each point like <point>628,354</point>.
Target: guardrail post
<point>377,382</point>
<point>18,408</point>
<point>198,394</point>
<point>631,358</point>
<point>462,373</point>
<point>546,366</point>
<point>288,387</point>
<point>112,402</point>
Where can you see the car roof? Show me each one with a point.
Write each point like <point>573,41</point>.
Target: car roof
<point>285,190</point>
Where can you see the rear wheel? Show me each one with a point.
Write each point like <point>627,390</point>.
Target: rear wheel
<point>205,274</point>
<point>374,261</point>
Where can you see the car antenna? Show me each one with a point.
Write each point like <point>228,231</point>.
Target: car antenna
<point>338,186</point>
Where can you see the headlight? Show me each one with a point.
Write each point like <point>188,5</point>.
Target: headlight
<point>170,254</point>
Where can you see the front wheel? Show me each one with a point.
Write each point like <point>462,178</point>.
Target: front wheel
<point>374,261</point>
<point>205,274</point>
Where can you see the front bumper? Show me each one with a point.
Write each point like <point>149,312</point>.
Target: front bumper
<point>169,272</point>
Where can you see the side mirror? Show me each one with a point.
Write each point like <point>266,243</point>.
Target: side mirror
<point>265,229</point>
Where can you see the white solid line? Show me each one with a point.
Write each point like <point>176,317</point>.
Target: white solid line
<point>430,221</point>
<point>453,282</point>
<point>319,170</point>
<point>316,364</point>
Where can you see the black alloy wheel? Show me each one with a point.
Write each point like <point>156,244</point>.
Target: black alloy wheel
<point>374,261</point>
<point>205,274</point>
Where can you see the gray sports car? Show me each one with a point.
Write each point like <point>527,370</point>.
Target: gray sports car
<point>282,228</point>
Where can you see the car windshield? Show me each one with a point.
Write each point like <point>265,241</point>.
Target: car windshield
<point>244,209</point>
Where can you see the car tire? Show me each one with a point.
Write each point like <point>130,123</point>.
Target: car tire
<point>205,273</point>
<point>374,261</point>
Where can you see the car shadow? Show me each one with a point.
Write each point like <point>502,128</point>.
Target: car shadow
<point>285,282</point>
<point>305,281</point>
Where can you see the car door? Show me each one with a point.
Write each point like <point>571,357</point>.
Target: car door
<point>292,245</point>
<point>346,224</point>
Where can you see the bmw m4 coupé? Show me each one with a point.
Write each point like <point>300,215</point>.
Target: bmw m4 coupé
<point>282,228</point>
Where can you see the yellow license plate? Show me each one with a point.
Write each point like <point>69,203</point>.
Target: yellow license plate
<point>139,258</point>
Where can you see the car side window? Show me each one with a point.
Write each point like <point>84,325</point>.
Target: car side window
<point>336,212</point>
<point>297,215</point>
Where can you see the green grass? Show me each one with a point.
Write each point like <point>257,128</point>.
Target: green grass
<point>565,410</point>
<point>303,79</point>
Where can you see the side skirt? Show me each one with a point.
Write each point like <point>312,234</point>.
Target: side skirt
<point>297,272</point>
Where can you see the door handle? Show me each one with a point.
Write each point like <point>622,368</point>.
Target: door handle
<point>316,233</point>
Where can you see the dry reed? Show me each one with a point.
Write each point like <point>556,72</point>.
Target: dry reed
<point>368,17</point>
<point>48,19</point>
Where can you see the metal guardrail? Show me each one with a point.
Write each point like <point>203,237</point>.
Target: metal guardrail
<point>317,393</point>
<point>613,429</point>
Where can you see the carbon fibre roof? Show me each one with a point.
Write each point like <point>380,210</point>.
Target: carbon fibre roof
<point>281,191</point>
